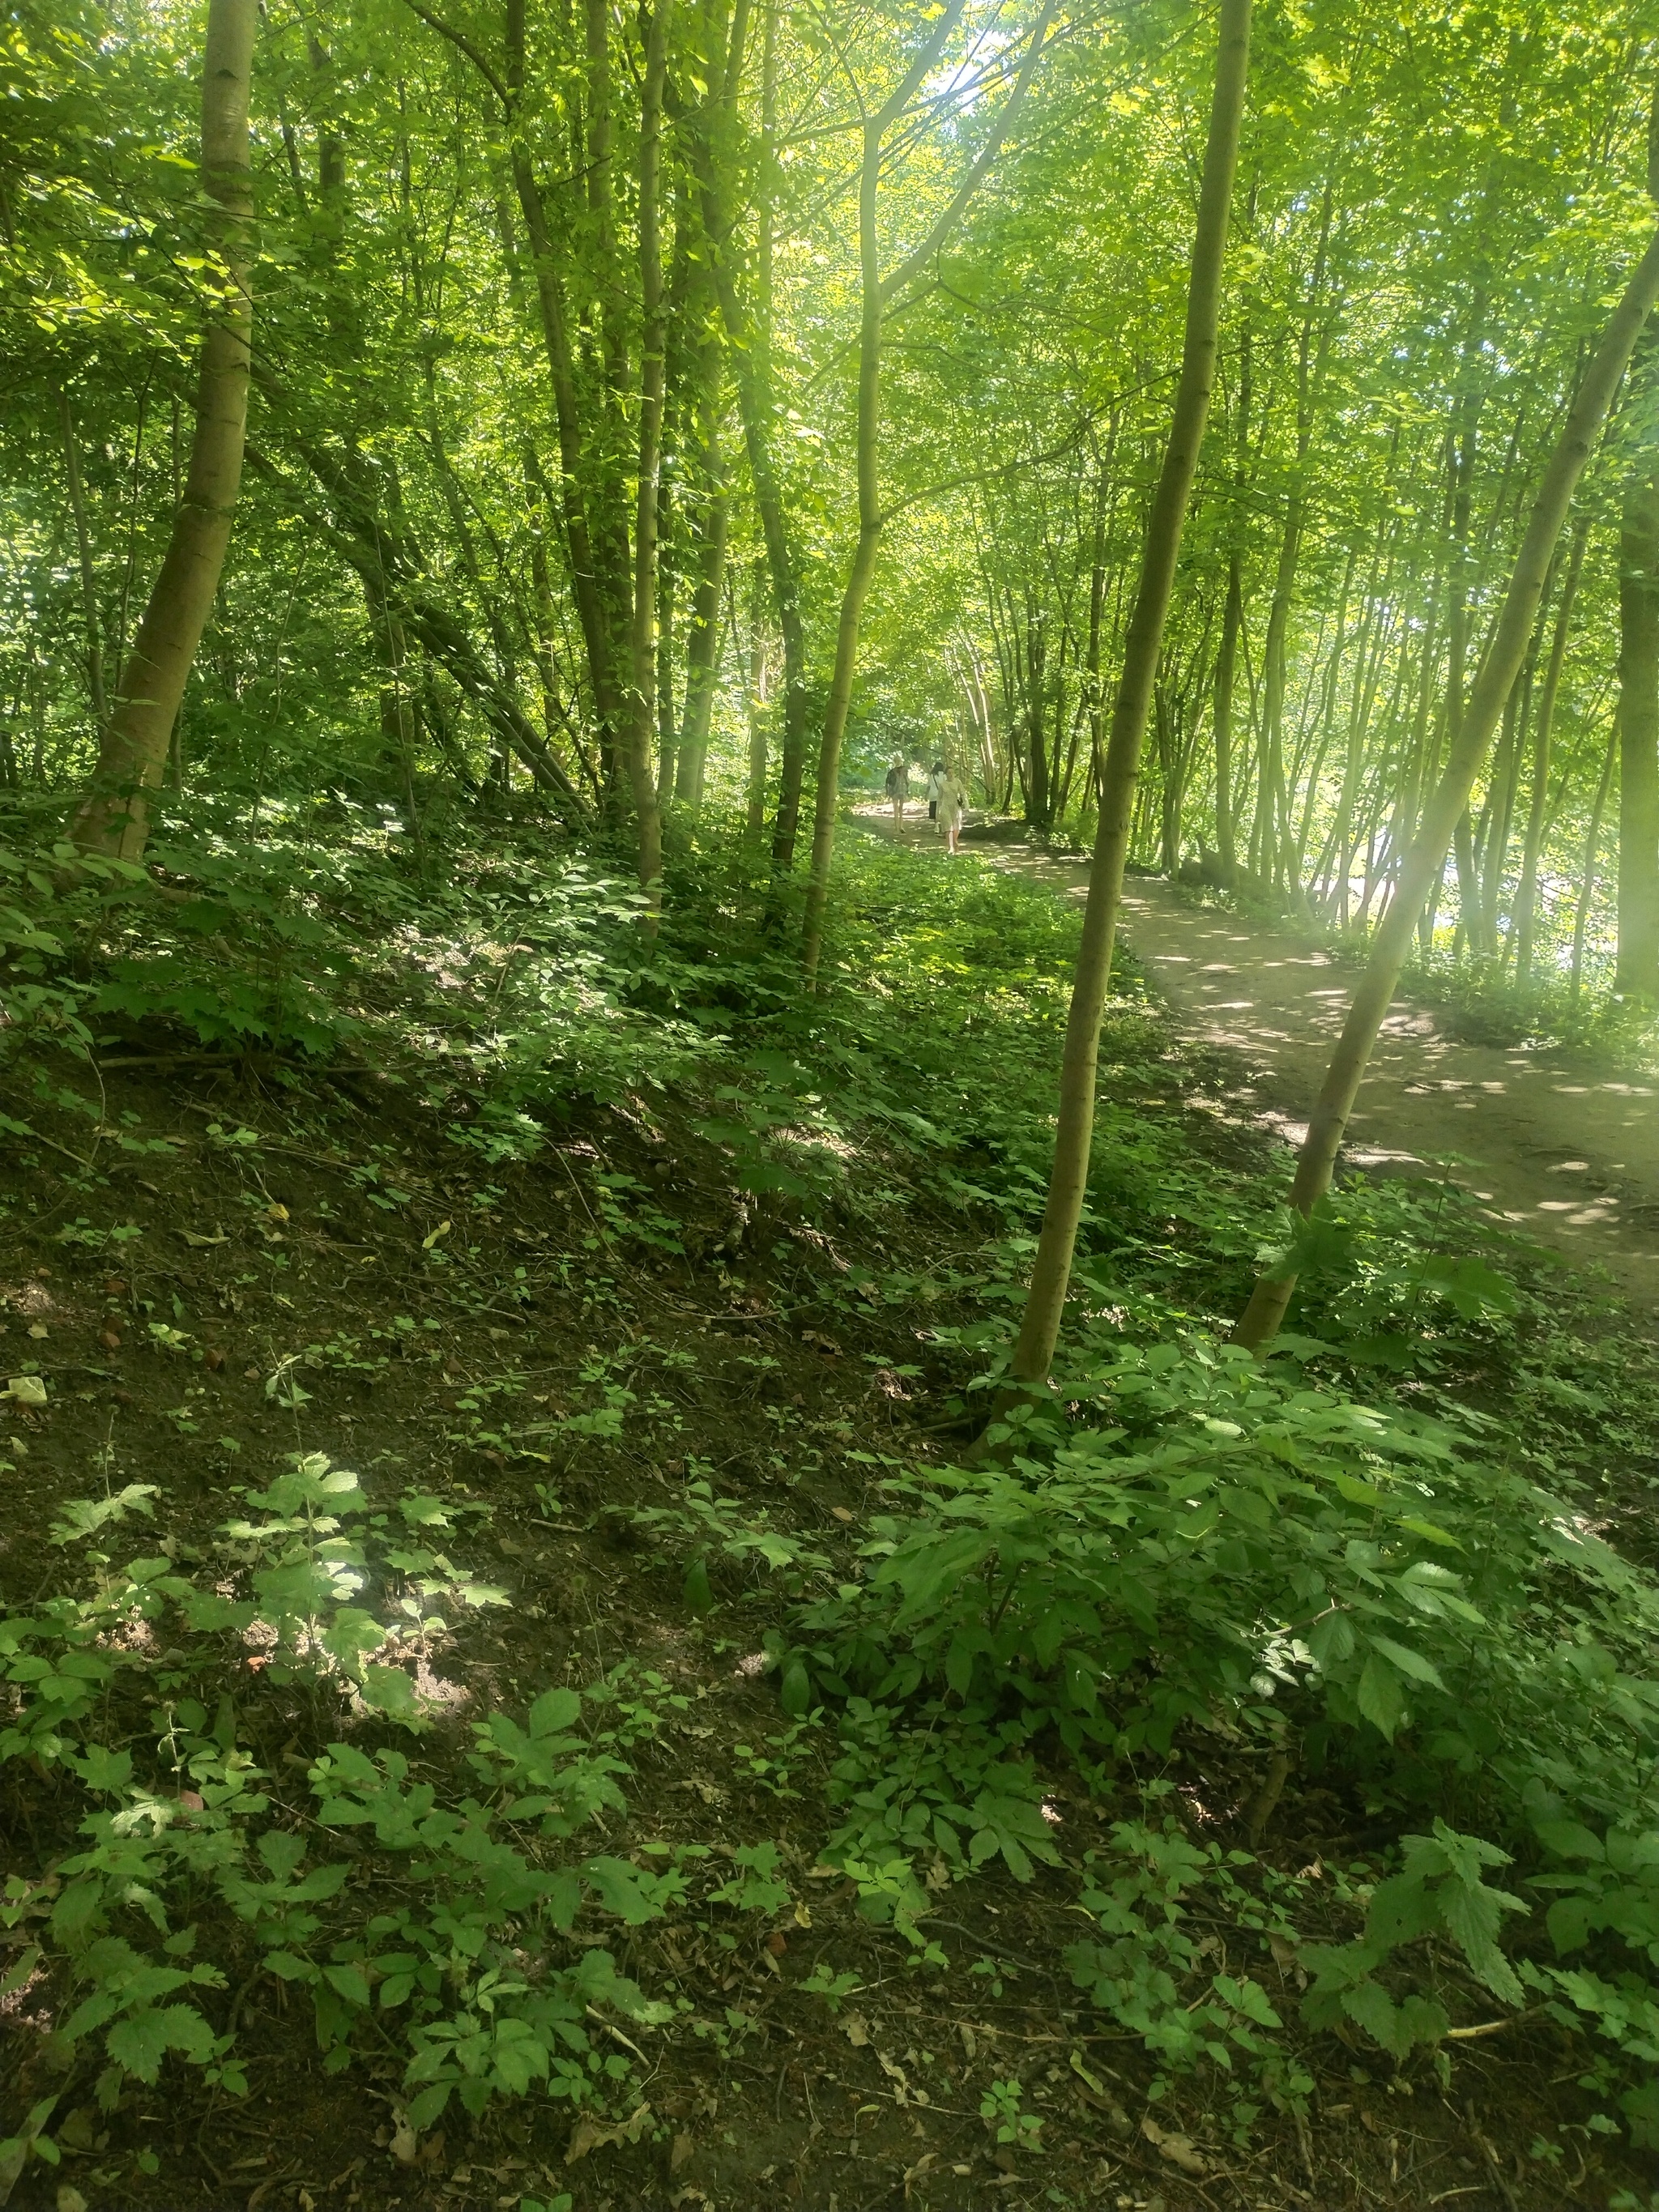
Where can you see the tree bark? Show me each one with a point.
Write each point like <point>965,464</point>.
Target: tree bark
<point>1262,1317</point>
<point>1636,973</point>
<point>1592,846</point>
<point>1526,896</point>
<point>1036,749</point>
<point>1051,1273</point>
<point>642,642</point>
<point>702,648</point>
<point>113,817</point>
<point>755,699</point>
<point>592,612</point>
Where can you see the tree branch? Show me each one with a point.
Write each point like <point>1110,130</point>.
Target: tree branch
<point>462,43</point>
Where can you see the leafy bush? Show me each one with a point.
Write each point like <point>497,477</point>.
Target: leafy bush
<point>1233,1550</point>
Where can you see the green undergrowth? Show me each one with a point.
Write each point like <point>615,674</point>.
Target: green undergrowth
<point>1481,1002</point>
<point>1404,1561</point>
<point>433,1897</point>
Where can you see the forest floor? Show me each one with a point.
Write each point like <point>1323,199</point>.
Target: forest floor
<point>498,1336</point>
<point>1558,1146</point>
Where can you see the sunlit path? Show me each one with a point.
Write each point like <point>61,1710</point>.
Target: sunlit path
<point>1563,1151</point>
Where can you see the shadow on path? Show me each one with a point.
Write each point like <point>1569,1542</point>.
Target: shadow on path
<point>1566,1153</point>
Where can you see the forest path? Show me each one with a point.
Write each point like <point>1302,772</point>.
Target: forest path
<point>1554,1147</point>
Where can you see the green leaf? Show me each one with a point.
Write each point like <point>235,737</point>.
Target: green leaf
<point>795,1691</point>
<point>281,1852</point>
<point>695,1591</point>
<point>288,1968</point>
<point>1472,1915</point>
<point>1569,1839</point>
<point>426,2105</point>
<point>1382,1699</point>
<point>348,1982</point>
<point>140,2042</point>
<point>1410,1663</point>
<point>556,1712</point>
<point>390,1690</point>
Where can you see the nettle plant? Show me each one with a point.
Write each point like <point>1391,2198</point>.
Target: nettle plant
<point>424,1910</point>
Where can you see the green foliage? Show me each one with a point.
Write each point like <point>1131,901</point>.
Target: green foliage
<point>440,1927</point>
<point>961,1791</point>
<point>712,1528</point>
<point>1140,1970</point>
<point>1002,2109</point>
<point>1440,1890</point>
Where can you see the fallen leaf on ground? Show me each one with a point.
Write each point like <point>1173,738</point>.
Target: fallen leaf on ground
<point>1177,2149</point>
<point>587,2134</point>
<point>854,2029</point>
<point>683,2147</point>
<point>896,2075</point>
<point>405,2143</point>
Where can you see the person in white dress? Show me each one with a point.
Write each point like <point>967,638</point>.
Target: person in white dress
<point>952,807</point>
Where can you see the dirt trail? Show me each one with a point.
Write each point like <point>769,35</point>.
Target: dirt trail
<point>1565,1152</point>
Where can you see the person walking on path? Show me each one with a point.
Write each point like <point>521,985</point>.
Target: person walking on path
<point>898,790</point>
<point>951,806</point>
<point>936,776</point>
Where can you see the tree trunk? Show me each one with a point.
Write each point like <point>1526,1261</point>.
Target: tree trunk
<point>113,817</point>
<point>1226,666</point>
<point>755,700</point>
<point>750,341</point>
<point>1636,975</point>
<point>702,650</point>
<point>1262,1317</point>
<point>1526,896</point>
<point>877,295</point>
<point>648,816</point>
<point>1592,844</point>
<point>95,691</point>
<point>1051,1275</point>
<point>1037,748</point>
<point>592,612</point>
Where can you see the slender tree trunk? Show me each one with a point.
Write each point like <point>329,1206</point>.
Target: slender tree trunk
<point>877,295</point>
<point>702,649</point>
<point>1592,844</point>
<point>1638,972</point>
<point>1037,748</point>
<point>1232,623</point>
<point>586,589</point>
<point>1457,621</point>
<point>113,817</point>
<point>88,579</point>
<point>1491,838</point>
<point>1261,1318</point>
<point>1226,664</point>
<point>1526,896</point>
<point>755,702</point>
<point>750,340</point>
<point>1051,1273</point>
<point>643,641</point>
